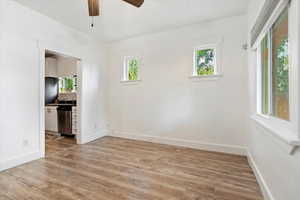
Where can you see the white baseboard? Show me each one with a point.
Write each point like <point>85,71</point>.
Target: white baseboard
<point>259,177</point>
<point>231,149</point>
<point>7,164</point>
<point>91,137</point>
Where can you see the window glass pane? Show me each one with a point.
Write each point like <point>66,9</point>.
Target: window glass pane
<point>280,67</point>
<point>265,75</point>
<point>67,84</point>
<point>205,62</point>
<point>133,69</point>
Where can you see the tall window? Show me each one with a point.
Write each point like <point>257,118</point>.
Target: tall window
<point>204,61</point>
<point>131,69</point>
<point>274,59</point>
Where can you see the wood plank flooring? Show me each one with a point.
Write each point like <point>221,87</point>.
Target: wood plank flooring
<point>57,144</point>
<point>120,169</point>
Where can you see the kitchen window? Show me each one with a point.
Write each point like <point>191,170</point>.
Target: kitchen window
<point>68,84</point>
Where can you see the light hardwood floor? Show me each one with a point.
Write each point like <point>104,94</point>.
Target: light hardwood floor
<point>57,144</point>
<point>118,169</point>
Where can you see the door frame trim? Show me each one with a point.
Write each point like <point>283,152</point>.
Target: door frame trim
<point>42,51</point>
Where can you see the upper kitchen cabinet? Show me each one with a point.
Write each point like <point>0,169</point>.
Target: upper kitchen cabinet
<point>66,67</point>
<point>51,67</point>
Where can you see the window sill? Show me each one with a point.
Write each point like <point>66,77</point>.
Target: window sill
<point>206,77</point>
<point>287,136</point>
<point>130,82</point>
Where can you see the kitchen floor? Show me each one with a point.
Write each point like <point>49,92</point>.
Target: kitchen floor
<point>57,144</point>
<point>119,169</point>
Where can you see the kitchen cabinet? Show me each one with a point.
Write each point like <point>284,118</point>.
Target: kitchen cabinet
<point>66,67</point>
<point>51,119</point>
<point>74,120</point>
<point>51,67</point>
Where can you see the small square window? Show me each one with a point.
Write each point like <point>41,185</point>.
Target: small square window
<point>205,61</point>
<point>131,69</point>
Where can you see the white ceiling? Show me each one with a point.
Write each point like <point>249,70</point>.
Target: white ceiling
<point>120,20</point>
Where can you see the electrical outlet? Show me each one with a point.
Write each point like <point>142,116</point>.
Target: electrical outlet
<point>25,143</point>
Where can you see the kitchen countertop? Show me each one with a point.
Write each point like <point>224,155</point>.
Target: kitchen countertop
<point>60,104</point>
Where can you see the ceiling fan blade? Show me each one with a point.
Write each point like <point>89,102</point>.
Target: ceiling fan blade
<point>93,7</point>
<point>136,3</point>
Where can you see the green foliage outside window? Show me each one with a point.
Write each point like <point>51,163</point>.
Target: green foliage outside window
<point>205,62</point>
<point>133,69</point>
<point>67,84</point>
<point>282,68</point>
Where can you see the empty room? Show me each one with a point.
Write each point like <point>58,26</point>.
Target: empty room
<point>149,100</point>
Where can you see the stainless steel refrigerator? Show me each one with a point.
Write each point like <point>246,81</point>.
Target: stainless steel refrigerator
<point>51,89</point>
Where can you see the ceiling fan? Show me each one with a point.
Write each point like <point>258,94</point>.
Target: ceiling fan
<point>94,6</point>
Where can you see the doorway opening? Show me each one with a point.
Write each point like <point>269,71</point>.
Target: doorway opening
<point>62,102</point>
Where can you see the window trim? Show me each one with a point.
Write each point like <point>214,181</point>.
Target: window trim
<point>287,131</point>
<point>276,13</point>
<point>125,78</point>
<point>259,78</point>
<point>217,68</point>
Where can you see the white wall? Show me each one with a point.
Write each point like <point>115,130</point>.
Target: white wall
<point>1,61</point>
<point>167,104</point>
<point>278,169</point>
<point>25,33</point>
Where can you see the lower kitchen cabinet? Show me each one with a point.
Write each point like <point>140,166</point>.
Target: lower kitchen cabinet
<point>74,120</point>
<point>51,119</point>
